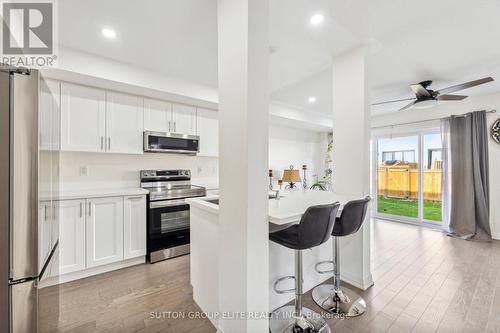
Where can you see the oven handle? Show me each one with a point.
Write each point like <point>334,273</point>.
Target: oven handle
<point>169,203</point>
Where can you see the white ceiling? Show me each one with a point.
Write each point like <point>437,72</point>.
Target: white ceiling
<point>447,41</point>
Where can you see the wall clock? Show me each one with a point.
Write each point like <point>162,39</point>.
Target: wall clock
<point>495,131</point>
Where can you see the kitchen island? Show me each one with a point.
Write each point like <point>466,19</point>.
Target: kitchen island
<point>282,213</point>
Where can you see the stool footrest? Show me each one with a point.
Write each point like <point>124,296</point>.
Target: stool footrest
<point>319,271</point>
<point>283,291</point>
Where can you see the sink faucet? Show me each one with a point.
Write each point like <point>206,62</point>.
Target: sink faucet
<point>277,197</point>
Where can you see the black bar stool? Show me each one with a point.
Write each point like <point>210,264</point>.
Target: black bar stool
<point>332,298</point>
<point>314,229</point>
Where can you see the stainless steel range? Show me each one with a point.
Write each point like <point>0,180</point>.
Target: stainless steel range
<point>168,212</point>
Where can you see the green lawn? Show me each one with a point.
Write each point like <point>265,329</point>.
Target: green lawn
<point>432,210</point>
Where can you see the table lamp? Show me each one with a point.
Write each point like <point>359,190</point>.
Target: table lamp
<point>291,176</point>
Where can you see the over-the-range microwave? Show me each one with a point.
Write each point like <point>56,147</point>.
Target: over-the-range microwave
<point>162,142</point>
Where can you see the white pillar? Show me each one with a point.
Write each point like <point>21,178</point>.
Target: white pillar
<point>243,162</point>
<point>351,155</point>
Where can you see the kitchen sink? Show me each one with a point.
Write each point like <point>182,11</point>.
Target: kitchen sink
<point>216,201</point>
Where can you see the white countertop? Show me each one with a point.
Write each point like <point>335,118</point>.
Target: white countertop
<point>96,193</point>
<point>289,208</point>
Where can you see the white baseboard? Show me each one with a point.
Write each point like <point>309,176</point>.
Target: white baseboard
<point>55,280</point>
<point>366,283</point>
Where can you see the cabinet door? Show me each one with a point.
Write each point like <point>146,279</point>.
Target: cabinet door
<point>83,118</point>
<point>44,232</point>
<point>183,119</point>
<point>157,115</point>
<point>134,224</point>
<point>124,123</point>
<point>71,235</point>
<point>50,127</point>
<point>104,231</point>
<point>208,130</point>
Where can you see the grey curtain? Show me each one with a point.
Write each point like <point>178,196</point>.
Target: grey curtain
<point>469,215</point>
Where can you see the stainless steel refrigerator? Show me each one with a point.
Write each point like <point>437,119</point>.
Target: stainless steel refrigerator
<point>19,199</point>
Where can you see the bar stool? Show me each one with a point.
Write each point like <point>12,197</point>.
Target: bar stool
<point>332,298</point>
<point>314,229</point>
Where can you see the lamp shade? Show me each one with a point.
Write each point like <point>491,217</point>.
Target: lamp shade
<point>291,176</point>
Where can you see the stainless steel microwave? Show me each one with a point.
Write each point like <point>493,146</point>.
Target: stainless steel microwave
<point>162,142</point>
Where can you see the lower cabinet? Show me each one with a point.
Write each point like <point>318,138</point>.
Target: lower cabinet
<point>134,224</point>
<point>71,236</point>
<point>104,231</point>
<point>100,231</point>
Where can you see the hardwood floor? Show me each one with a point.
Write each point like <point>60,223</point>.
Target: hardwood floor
<point>424,282</point>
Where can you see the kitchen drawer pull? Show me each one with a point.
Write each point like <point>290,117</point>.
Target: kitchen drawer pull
<point>81,209</point>
<point>102,143</point>
<point>109,143</point>
<point>135,198</point>
<point>90,208</point>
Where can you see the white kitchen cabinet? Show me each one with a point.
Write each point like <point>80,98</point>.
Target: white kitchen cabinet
<point>124,123</point>
<point>83,118</point>
<point>71,236</point>
<point>50,116</point>
<point>208,130</point>
<point>134,227</point>
<point>104,243</point>
<point>157,115</point>
<point>44,232</point>
<point>183,119</point>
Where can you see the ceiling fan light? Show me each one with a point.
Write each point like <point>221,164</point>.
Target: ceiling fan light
<point>425,104</point>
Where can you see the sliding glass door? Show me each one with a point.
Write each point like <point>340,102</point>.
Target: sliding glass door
<point>408,177</point>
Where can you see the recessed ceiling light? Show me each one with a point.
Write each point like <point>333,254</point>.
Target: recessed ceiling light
<point>108,33</point>
<point>317,19</point>
<point>311,99</point>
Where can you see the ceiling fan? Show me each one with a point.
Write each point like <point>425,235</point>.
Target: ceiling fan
<point>425,97</point>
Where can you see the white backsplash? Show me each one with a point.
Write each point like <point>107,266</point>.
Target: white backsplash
<point>122,170</point>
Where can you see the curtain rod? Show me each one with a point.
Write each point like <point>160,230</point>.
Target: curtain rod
<point>427,120</point>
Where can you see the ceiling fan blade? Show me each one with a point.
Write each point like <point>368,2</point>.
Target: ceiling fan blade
<point>464,85</point>
<point>394,101</point>
<point>407,106</point>
<point>420,91</point>
<point>451,97</point>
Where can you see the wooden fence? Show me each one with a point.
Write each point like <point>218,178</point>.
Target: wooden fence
<point>401,182</point>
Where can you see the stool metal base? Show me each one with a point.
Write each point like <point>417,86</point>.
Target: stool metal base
<point>343,302</point>
<point>283,320</point>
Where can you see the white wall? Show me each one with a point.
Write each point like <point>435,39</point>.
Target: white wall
<point>444,109</point>
<point>293,146</point>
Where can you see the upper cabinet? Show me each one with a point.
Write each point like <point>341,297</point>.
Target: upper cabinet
<point>183,119</point>
<point>208,130</point>
<point>96,120</point>
<point>157,115</point>
<point>124,123</point>
<point>50,116</point>
<point>83,116</point>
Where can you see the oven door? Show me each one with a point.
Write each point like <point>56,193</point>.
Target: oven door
<point>160,142</point>
<point>168,224</point>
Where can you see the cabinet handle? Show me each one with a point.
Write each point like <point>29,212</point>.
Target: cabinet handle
<point>175,126</point>
<point>90,208</point>
<point>45,212</point>
<point>81,209</point>
<point>135,198</point>
<point>54,216</point>
<point>109,143</point>
<point>102,143</point>
<point>169,125</point>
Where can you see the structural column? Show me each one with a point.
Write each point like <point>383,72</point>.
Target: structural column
<point>351,156</point>
<point>243,163</point>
